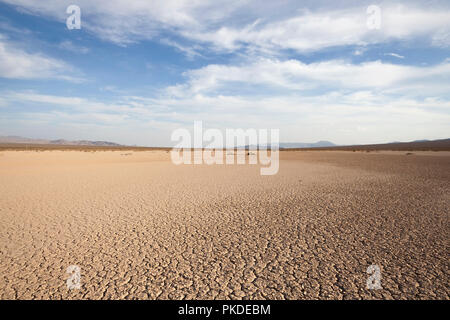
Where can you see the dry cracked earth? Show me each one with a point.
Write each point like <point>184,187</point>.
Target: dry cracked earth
<point>140,227</point>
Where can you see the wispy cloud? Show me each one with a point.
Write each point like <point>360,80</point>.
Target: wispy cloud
<point>359,51</point>
<point>189,51</point>
<point>70,46</point>
<point>386,106</point>
<point>16,63</point>
<point>395,55</point>
<point>213,23</point>
<point>296,75</point>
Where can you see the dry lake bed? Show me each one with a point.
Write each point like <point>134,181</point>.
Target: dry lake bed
<point>139,227</point>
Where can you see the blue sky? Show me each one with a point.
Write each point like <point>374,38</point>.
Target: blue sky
<point>137,70</point>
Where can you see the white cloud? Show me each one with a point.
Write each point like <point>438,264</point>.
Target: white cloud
<point>441,39</point>
<point>395,55</point>
<point>125,22</point>
<point>73,103</point>
<point>70,46</point>
<point>189,51</point>
<point>335,115</point>
<point>359,51</point>
<point>16,63</point>
<point>231,25</point>
<point>296,75</point>
<point>311,31</point>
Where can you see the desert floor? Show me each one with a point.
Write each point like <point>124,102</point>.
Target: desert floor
<point>140,227</point>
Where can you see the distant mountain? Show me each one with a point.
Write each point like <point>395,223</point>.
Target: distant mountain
<point>298,145</point>
<point>17,139</point>
<point>319,144</point>
<point>85,143</point>
<point>417,145</point>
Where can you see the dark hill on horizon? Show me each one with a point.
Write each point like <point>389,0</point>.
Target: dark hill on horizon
<point>417,145</point>
<point>22,140</point>
<point>20,143</point>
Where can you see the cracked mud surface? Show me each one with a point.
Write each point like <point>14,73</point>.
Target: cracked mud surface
<point>140,227</point>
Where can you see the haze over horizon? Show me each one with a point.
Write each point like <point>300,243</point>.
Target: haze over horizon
<point>134,73</point>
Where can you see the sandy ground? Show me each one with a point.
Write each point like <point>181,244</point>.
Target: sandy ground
<point>140,227</point>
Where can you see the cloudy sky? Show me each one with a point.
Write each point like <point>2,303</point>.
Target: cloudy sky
<point>138,69</point>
